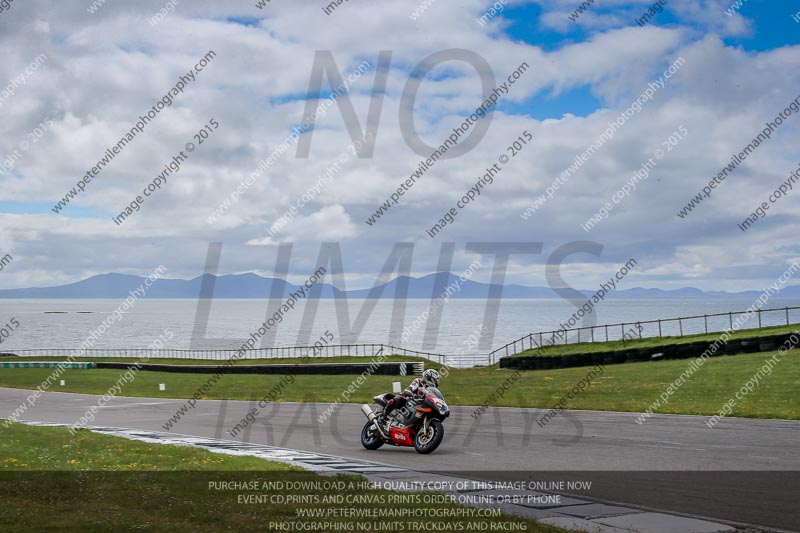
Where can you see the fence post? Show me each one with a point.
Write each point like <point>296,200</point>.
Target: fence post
<point>787,315</point>
<point>680,326</point>
<point>759,318</point>
<point>606,332</point>
<point>592,330</point>
<point>639,327</point>
<point>659,328</point>
<point>705,319</point>
<point>730,319</point>
<point>579,335</point>
<point>622,330</point>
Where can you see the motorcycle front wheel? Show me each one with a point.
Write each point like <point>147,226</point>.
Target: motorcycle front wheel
<point>428,441</point>
<point>371,439</point>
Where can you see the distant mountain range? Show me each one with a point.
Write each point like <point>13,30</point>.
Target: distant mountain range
<point>255,286</point>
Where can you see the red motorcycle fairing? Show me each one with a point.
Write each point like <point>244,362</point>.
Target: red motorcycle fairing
<point>401,436</point>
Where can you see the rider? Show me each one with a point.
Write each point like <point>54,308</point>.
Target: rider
<point>430,378</point>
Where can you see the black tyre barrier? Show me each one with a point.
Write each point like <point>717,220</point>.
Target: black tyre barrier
<point>767,346</point>
<point>578,359</point>
<point>680,351</point>
<point>7,354</point>
<point>750,346</point>
<point>385,369</point>
<point>697,348</point>
<point>637,355</point>
<point>667,352</point>
<point>548,363</point>
<point>734,346</point>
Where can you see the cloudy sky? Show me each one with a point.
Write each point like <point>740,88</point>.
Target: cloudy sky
<point>101,66</point>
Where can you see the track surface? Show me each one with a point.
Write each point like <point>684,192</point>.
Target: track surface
<point>743,470</point>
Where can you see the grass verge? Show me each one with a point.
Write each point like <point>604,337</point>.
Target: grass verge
<point>630,387</point>
<point>52,481</point>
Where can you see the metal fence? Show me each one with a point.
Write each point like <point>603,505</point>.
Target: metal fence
<point>669,327</point>
<point>286,352</point>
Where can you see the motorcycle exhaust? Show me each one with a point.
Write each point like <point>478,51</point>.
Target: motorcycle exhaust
<point>372,418</point>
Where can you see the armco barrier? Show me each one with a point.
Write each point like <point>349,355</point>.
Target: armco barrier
<point>382,369</point>
<point>687,350</point>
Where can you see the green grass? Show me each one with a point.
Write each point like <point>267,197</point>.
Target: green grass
<point>628,387</point>
<point>28,448</point>
<point>648,342</point>
<point>632,387</point>
<point>53,481</point>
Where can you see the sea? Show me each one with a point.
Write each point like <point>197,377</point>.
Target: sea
<point>465,326</point>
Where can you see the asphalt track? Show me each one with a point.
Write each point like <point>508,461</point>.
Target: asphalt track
<point>743,471</point>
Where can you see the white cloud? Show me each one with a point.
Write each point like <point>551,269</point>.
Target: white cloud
<point>104,70</point>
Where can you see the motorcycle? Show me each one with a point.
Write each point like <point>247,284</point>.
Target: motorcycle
<point>418,423</point>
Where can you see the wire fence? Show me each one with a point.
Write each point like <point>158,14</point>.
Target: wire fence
<point>669,327</point>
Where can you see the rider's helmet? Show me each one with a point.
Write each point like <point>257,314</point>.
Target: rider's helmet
<point>431,376</point>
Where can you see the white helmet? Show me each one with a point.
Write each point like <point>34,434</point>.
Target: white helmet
<point>431,376</point>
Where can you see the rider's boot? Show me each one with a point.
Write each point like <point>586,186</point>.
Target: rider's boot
<point>384,418</point>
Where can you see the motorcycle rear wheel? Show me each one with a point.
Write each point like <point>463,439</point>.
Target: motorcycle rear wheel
<point>427,442</point>
<point>370,440</point>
